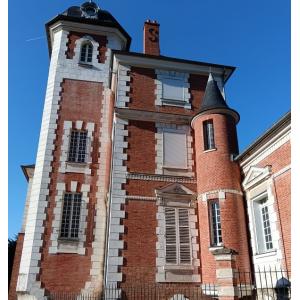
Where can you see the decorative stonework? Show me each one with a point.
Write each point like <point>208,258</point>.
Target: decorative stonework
<point>166,178</point>
<point>182,79</point>
<point>218,194</point>
<point>66,166</point>
<point>60,69</point>
<point>123,87</point>
<point>65,246</point>
<point>159,147</point>
<point>167,197</point>
<point>117,198</point>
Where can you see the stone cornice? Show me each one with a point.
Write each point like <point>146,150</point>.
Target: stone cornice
<point>155,177</point>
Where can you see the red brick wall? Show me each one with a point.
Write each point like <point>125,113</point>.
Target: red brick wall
<point>141,147</point>
<point>74,36</point>
<point>219,172</point>
<point>142,92</point>
<point>12,295</point>
<point>80,100</point>
<point>140,242</point>
<point>215,171</point>
<point>151,38</point>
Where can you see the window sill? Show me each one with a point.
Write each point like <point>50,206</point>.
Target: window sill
<point>177,103</point>
<point>178,267</point>
<point>213,248</point>
<point>68,240</point>
<point>210,150</point>
<point>266,254</point>
<point>176,168</point>
<point>85,65</point>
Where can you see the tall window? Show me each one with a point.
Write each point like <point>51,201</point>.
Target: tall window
<point>215,223</point>
<point>71,216</point>
<point>86,53</point>
<point>78,146</point>
<point>175,150</point>
<point>208,134</point>
<point>178,243</point>
<point>262,225</point>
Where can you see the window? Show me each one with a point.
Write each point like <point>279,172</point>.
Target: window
<point>262,225</point>
<point>178,244</point>
<point>208,134</point>
<point>71,216</point>
<point>175,150</point>
<point>215,223</point>
<point>86,53</point>
<point>78,146</point>
<point>173,89</point>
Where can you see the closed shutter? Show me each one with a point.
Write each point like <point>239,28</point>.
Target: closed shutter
<point>173,89</point>
<point>171,244</point>
<point>184,236</point>
<point>175,150</point>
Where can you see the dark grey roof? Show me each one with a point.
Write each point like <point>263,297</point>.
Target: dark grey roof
<point>212,96</point>
<point>213,99</point>
<point>101,18</point>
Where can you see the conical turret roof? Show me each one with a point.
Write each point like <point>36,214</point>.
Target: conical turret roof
<point>212,96</point>
<point>214,100</point>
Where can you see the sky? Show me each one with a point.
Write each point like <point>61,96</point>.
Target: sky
<point>252,35</point>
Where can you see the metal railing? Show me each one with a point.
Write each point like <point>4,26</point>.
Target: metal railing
<point>265,283</point>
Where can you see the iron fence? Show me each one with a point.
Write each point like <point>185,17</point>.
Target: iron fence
<point>263,284</point>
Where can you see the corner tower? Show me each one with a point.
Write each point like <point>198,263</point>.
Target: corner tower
<point>64,239</point>
<point>220,198</point>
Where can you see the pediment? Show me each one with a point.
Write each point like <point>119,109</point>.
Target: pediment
<point>255,175</point>
<point>175,188</point>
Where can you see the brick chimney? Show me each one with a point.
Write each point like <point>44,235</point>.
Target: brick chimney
<point>151,38</point>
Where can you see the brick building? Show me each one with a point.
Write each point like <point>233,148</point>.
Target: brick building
<point>138,176</point>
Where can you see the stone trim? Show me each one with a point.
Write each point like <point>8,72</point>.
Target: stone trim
<point>164,271</point>
<point>117,198</point>
<point>153,177</point>
<point>274,257</point>
<point>143,198</point>
<point>123,87</point>
<point>282,171</point>
<point>66,246</point>
<point>183,77</point>
<point>272,145</point>
<point>66,166</point>
<point>184,129</point>
<point>218,194</point>
<point>60,68</point>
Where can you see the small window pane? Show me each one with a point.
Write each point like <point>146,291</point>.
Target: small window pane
<point>208,134</point>
<point>78,146</point>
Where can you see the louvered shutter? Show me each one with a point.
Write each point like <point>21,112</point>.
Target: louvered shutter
<point>175,150</point>
<point>184,236</point>
<point>173,89</point>
<point>171,243</point>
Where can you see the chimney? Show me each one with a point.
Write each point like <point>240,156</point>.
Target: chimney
<point>151,38</point>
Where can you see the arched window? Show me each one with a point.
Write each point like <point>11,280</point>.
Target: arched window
<point>86,53</point>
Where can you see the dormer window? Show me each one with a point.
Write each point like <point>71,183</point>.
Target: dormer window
<point>86,53</point>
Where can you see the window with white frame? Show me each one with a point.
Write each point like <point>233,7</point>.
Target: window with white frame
<point>78,146</point>
<point>174,150</point>
<point>208,135</point>
<point>70,216</point>
<point>177,233</point>
<point>215,223</point>
<point>262,224</point>
<point>86,52</point>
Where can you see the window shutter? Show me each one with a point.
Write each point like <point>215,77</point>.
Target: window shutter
<point>175,150</point>
<point>173,89</point>
<point>258,226</point>
<point>184,236</point>
<point>171,245</point>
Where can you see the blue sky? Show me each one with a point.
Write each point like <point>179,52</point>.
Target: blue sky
<point>252,35</point>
